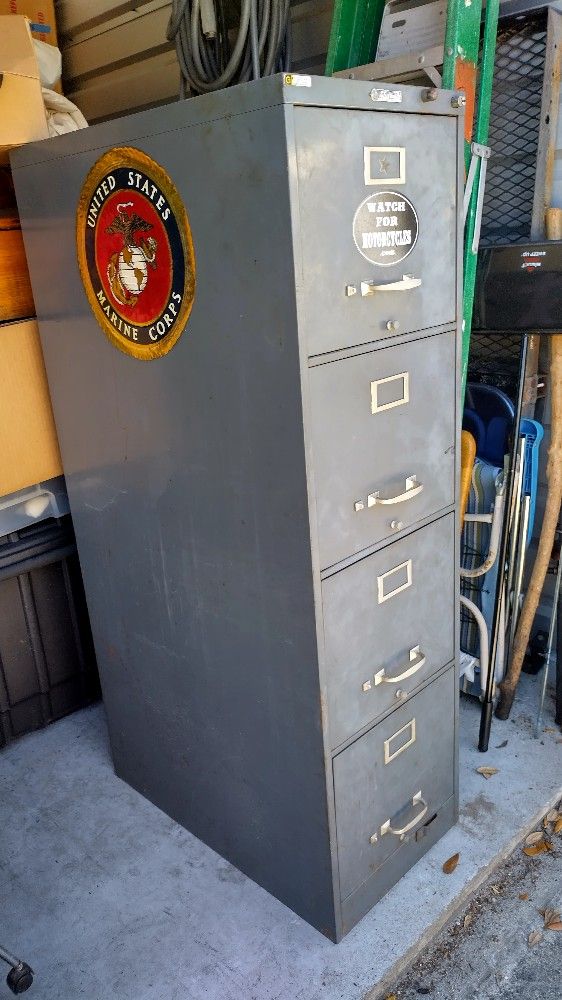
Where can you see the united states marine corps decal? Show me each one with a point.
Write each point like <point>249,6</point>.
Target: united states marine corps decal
<point>135,253</point>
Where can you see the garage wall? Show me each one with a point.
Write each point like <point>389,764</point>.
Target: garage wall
<point>116,58</point>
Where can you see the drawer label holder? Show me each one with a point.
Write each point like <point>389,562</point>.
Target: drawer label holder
<point>389,385</point>
<point>403,572</point>
<point>409,732</point>
<point>381,162</point>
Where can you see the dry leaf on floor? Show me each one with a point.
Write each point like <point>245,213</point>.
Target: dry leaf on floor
<point>496,890</point>
<point>523,895</point>
<point>558,825</point>
<point>487,772</point>
<point>549,915</point>
<point>500,746</point>
<point>391,996</point>
<point>534,938</point>
<point>552,816</point>
<point>533,838</point>
<point>451,863</point>
<point>467,920</point>
<point>535,849</point>
<point>554,925</point>
<point>549,729</point>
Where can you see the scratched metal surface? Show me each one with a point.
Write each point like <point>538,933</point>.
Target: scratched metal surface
<point>188,486</point>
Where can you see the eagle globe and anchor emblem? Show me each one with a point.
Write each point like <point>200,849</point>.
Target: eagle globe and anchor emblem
<point>135,253</point>
<point>127,271</point>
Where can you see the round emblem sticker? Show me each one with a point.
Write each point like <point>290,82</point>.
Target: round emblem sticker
<point>385,228</point>
<point>135,253</point>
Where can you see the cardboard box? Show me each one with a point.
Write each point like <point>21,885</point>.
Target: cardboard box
<point>28,439</point>
<point>22,112</point>
<point>41,15</point>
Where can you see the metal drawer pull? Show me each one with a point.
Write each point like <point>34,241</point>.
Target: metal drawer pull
<point>406,282</point>
<point>413,488</point>
<point>417,661</point>
<point>401,831</point>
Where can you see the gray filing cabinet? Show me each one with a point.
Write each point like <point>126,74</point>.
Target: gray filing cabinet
<point>265,513</point>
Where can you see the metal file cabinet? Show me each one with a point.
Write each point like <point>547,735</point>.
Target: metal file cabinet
<point>262,475</point>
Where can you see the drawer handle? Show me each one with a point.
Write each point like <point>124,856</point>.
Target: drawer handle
<point>401,831</point>
<point>406,282</point>
<point>417,661</point>
<point>413,489</point>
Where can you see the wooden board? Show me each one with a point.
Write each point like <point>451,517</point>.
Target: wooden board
<point>548,176</point>
<point>16,297</point>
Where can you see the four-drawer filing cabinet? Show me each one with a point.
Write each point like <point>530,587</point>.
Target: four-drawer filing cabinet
<point>249,308</point>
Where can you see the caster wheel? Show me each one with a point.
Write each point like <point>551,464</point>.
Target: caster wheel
<point>20,979</point>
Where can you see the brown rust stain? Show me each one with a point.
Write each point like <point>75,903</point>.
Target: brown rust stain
<point>465,79</point>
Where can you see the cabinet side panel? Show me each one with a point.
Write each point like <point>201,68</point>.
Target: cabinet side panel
<point>187,483</point>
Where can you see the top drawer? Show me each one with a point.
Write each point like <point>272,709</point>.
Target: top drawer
<point>377,201</point>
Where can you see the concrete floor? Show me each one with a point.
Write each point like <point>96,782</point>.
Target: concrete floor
<point>486,954</point>
<point>107,897</point>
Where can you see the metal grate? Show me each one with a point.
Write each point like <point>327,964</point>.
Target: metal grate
<point>494,360</point>
<point>514,129</point>
<point>510,181</point>
<point>508,206</point>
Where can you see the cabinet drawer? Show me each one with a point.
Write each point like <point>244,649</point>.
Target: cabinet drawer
<point>364,180</point>
<point>392,780</point>
<point>390,615</point>
<point>381,422</point>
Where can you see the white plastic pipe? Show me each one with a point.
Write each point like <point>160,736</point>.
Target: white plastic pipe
<point>471,574</point>
<point>484,642</point>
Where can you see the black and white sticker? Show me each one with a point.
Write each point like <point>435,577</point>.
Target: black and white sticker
<point>385,228</point>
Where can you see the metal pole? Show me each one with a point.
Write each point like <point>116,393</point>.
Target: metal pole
<point>488,704</point>
<point>552,626</point>
<point>519,570</point>
<point>514,522</point>
<point>8,958</point>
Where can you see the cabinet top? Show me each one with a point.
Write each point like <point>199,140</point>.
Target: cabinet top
<point>282,89</point>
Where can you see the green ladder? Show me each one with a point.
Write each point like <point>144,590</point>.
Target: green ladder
<point>468,65</point>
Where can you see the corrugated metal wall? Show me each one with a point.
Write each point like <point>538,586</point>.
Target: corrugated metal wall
<point>116,58</point>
